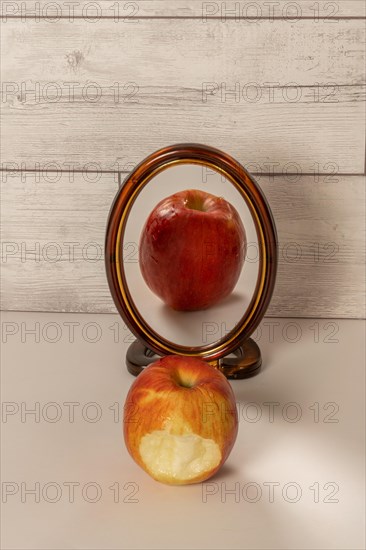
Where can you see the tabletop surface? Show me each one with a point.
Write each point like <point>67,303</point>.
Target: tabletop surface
<point>293,480</point>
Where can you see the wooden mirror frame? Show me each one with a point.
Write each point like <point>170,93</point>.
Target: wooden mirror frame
<point>190,153</point>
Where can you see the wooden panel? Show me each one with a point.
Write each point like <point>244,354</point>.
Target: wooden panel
<point>35,214</point>
<point>321,270</point>
<point>123,10</point>
<point>184,53</point>
<point>322,245</point>
<point>307,136</point>
<point>164,73</point>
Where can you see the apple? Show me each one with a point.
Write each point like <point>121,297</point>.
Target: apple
<point>192,250</point>
<point>180,420</point>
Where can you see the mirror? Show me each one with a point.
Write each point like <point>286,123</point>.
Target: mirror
<point>220,333</point>
<point>189,328</point>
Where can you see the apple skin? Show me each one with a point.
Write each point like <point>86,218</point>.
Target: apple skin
<point>192,250</point>
<point>181,399</point>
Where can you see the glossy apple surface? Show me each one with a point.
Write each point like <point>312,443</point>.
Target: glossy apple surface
<point>180,420</point>
<point>192,250</point>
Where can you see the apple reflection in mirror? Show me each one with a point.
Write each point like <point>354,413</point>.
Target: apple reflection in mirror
<point>192,250</point>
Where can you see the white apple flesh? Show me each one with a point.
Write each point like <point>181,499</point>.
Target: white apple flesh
<point>180,420</point>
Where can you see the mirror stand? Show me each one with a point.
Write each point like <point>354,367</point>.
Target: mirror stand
<point>244,362</point>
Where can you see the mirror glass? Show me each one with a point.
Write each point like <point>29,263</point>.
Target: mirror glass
<point>189,328</point>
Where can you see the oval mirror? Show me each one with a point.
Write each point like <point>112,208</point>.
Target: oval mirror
<point>218,332</point>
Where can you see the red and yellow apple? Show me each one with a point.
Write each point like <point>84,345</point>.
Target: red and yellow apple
<point>192,250</point>
<point>180,420</point>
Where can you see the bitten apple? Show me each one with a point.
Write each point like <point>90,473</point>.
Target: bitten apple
<point>192,250</point>
<point>180,420</point>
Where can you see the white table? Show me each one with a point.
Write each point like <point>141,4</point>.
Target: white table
<point>294,480</point>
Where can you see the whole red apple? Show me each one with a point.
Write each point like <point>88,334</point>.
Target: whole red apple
<point>192,250</point>
<point>180,420</point>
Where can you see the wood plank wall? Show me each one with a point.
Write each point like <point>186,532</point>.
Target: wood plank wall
<point>85,96</point>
